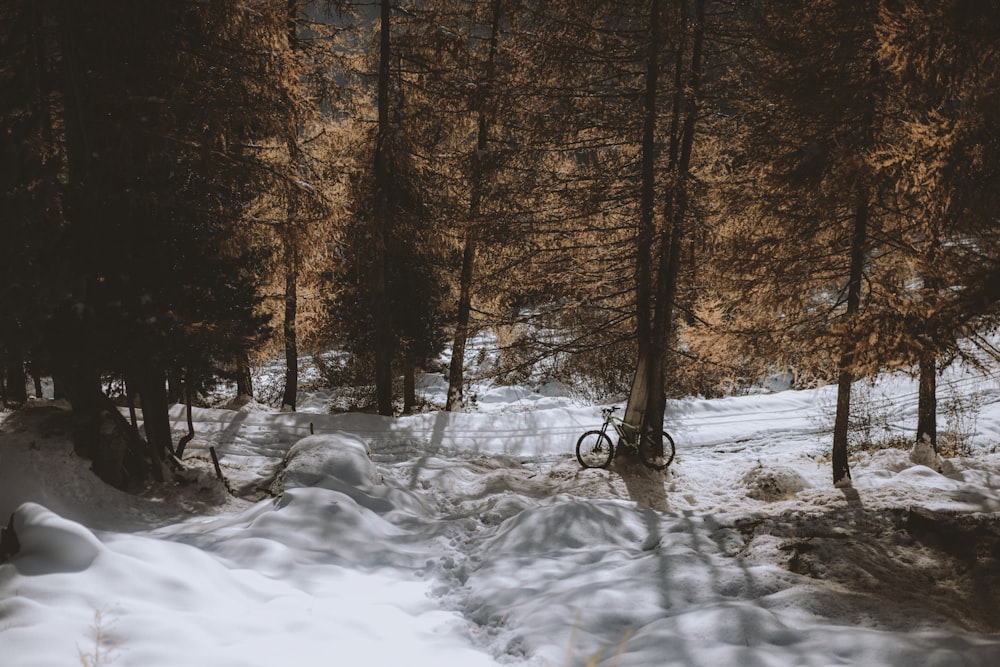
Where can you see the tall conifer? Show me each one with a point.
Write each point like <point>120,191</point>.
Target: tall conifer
<point>164,107</point>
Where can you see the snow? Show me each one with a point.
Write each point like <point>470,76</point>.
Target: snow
<point>474,539</point>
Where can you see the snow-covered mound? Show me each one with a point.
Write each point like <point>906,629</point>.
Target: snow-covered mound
<point>775,483</point>
<point>319,460</point>
<point>49,544</point>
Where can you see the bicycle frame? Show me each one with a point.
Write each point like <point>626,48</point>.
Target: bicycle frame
<point>619,425</point>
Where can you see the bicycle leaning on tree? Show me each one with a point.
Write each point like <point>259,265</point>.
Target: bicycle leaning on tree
<point>595,449</point>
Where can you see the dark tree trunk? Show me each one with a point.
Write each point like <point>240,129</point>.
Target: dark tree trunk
<point>189,436</point>
<point>155,411</point>
<point>927,401</point>
<point>927,394</point>
<point>290,241</point>
<point>382,224</point>
<point>244,381</point>
<point>130,400</point>
<point>841,466</point>
<point>841,424</point>
<point>642,381</point>
<point>456,371</point>
<point>409,380</point>
<point>17,379</point>
<point>673,235</point>
<point>175,388</point>
<point>82,386</point>
<point>290,396</point>
<point>669,259</point>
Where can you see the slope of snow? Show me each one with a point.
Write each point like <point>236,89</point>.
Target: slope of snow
<point>475,539</point>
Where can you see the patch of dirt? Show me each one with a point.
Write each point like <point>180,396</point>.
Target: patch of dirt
<point>946,564</point>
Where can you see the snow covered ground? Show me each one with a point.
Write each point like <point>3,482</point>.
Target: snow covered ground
<point>475,539</point>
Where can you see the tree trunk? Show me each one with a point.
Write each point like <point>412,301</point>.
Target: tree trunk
<point>642,380</point>
<point>290,241</point>
<point>82,387</point>
<point>670,235</point>
<point>189,436</point>
<point>130,400</point>
<point>175,387</point>
<point>244,381</point>
<point>841,424</point>
<point>673,234</point>
<point>456,370</point>
<point>17,379</point>
<point>151,384</point>
<point>290,396</point>
<point>927,395</point>
<point>381,224</point>
<point>927,401</point>
<point>841,467</point>
<point>409,380</point>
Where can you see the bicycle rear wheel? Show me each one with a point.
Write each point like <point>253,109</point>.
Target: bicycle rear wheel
<point>649,452</point>
<point>594,450</point>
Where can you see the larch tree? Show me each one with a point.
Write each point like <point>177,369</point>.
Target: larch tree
<point>808,201</point>
<point>631,93</point>
<point>299,210</point>
<point>943,59</point>
<point>484,106</point>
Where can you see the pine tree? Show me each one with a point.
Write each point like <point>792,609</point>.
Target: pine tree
<point>29,197</point>
<point>389,293</point>
<point>162,145</point>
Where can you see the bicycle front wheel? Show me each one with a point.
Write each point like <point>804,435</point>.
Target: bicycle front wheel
<point>655,457</point>
<point>594,450</point>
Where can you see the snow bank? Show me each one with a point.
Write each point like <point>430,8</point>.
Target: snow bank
<point>309,578</point>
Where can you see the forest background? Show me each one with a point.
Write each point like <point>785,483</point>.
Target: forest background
<point>658,198</point>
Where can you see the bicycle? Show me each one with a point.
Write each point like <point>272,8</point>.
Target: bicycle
<point>594,449</point>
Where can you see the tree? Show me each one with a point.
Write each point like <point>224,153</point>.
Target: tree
<point>382,218</point>
<point>683,119</point>
<point>158,144</point>
<point>810,201</point>
<point>29,199</point>
<point>942,60</point>
<point>310,33</point>
<point>389,294</point>
<point>485,106</point>
<point>633,95</point>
